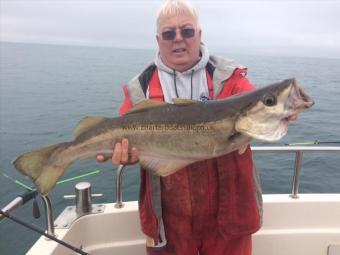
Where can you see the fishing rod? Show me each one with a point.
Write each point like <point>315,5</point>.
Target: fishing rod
<point>31,193</point>
<point>21,200</point>
<point>42,232</point>
<point>312,143</point>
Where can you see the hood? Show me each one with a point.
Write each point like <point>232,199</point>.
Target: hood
<point>200,65</point>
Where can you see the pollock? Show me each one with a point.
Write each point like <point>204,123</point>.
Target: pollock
<point>172,136</point>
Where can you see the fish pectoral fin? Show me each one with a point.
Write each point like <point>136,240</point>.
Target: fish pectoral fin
<point>181,101</point>
<point>242,149</point>
<point>163,167</point>
<point>86,124</point>
<point>145,104</point>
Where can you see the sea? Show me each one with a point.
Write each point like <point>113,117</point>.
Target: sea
<point>46,89</point>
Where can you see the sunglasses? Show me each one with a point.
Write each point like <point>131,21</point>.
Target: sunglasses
<point>185,33</point>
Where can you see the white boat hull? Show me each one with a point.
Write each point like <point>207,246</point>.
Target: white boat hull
<point>309,225</point>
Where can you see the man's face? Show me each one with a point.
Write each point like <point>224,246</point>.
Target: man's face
<point>179,53</point>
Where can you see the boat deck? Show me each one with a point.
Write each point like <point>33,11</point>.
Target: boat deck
<point>308,225</point>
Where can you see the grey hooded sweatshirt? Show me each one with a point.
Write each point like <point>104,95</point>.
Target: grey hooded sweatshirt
<point>190,84</point>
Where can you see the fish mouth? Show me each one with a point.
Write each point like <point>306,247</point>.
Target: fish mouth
<point>299,100</point>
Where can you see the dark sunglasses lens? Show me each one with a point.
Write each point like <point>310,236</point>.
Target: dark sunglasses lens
<point>169,35</point>
<point>188,32</point>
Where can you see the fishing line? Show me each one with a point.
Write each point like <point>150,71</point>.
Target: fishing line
<point>19,183</point>
<point>311,143</point>
<point>32,193</point>
<point>23,185</point>
<point>79,176</point>
<point>42,232</point>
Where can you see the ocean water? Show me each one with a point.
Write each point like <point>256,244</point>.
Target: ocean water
<point>45,90</point>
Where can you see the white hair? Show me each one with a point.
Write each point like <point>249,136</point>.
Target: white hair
<point>176,7</point>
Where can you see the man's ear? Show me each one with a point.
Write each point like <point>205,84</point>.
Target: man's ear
<point>157,38</point>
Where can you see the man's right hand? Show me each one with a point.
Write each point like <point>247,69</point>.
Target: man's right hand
<point>121,154</point>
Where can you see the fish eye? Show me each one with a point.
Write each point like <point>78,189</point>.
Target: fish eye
<point>269,100</point>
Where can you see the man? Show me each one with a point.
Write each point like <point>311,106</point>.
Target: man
<point>210,207</point>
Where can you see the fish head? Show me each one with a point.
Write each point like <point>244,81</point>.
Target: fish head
<point>267,114</point>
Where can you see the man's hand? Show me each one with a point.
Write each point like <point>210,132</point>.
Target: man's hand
<point>121,154</point>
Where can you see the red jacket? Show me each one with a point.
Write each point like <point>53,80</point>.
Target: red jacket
<point>216,194</point>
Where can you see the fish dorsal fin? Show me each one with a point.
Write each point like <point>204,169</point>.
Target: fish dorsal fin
<point>181,101</point>
<point>144,105</point>
<point>85,124</point>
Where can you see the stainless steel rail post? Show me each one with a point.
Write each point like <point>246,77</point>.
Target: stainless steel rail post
<point>49,215</point>
<point>296,177</point>
<point>299,150</point>
<point>119,194</point>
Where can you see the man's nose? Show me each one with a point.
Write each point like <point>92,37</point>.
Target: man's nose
<point>178,36</point>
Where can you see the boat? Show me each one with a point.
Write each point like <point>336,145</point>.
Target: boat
<point>296,223</point>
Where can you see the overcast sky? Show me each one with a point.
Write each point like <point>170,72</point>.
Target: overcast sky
<point>276,27</point>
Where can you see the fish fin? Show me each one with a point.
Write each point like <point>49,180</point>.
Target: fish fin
<point>85,124</point>
<point>145,104</point>
<point>163,167</point>
<point>181,101</point>
<point>38,166</point>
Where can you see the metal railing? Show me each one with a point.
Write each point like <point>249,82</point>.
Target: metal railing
<point>298,150</point>
<point>49,215</point>
<point>119,193</point>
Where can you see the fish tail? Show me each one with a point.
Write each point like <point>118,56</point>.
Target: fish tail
<point>40,166</point>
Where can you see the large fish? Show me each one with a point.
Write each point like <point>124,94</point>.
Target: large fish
<point>171,136</point>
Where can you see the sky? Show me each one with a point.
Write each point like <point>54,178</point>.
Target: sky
<point>308,28</point>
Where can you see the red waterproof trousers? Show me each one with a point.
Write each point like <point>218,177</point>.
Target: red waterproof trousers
<point>190,214</point>
<point>208,244</point>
